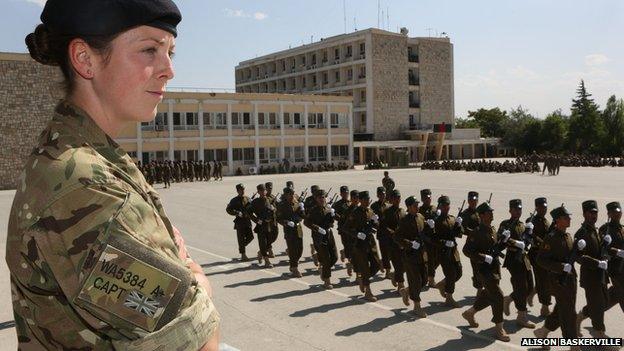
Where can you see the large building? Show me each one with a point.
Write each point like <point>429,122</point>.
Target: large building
<point>240,130</point>
<point>402,89</point>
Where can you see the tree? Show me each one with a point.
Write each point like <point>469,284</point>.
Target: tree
<point>516,130</point>
<point>586,127</point>
<point>613,120</point>
<point>554,132</point>
<point>492,122</point>
<point>465,123</point>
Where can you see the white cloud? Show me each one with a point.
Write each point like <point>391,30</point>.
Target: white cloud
<point>259,16</point>
<point>38,2</point>
<point>596,59</point>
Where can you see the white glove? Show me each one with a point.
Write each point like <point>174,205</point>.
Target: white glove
<point>449,243</point>
<point>603,265</point>
<point>459,220</point>
<point>415,245</point>
<point>529,226</point>
<point>271,208</point>
<point>332,212</point>
<point>431,223</point>
<point>322,231</point>
<point>607,239</point>
<point>375,218</point>
<point>581,244</point>
<point>620,253</point>
<point>519,244</point>
<point>301,206</point>
<point>488,259</point>
<point>259,222</point>
<point>567,268</point>
<point>239,214</point>
<point>506,234</point>
<point>361,236</point>
<point>291,224</point>
<point>438,212</point>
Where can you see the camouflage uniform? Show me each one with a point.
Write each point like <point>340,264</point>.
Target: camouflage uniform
<point>91,252</point>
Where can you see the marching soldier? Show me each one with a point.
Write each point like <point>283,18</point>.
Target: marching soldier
<point>517,263</point>
<point>167,174</point>
<point>541,227</point>
<point>321,221</point>
<point>262,213</point>
<point>429,212</point>
<point>411,238</point>
<point>347,230</point>
<point>362,224</point>
<point>341,207</point>
<point>290,215</point>
<point>470,223</point>
<point>594,276</point>
<point>484,247</point>
<point>239,207</point>
<point>309,204</point>
<point>557,256</point>
<point>388,224</point>
<point>384,239</point>
<point>387,183</point>
<point>207,171</point>
<point>447,230</point>
<point>274,230</point>
<point>616,264</point>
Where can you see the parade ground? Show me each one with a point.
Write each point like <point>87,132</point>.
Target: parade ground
<point>265,309</point>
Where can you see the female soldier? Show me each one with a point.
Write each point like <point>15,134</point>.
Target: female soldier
<point>95,262</point>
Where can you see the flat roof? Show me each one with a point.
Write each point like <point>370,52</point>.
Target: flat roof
<point>257,96</point>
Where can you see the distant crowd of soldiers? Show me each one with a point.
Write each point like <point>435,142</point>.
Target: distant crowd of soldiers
<point>286,167</point>
<point>180,171</point>
<point>506,166</point>
<point>413,242</point>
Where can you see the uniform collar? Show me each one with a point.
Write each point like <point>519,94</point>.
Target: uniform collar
<point>74,116</point>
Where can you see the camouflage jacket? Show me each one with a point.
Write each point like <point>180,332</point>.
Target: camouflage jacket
<point>93,262</point>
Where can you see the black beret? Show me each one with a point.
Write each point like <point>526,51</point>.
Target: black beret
<point>240,186</point>
<point>541,201</point>
<point>614,206</point>
<point>363,195</point>
<point>484,207</point>
<point>385,172</point>
<point>344,189</point>
<point>268,185</point>
<point>410,201</point>
<point>444,200</point>
<point>560,212</point>
<point>381,189</point>
<point>260,187</point>
<point>425,193</point>
<point>473,195</point>
<point>354,193</point>
<point>109,17</point>
<point>515,203</point>
<point>288,190</point>
<point>290,183</point>
<point>590,205</point>
<point>395,193</point>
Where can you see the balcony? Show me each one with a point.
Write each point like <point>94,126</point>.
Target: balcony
<point>414,80</point>
<point>414,104</point>
<point>412,58</point>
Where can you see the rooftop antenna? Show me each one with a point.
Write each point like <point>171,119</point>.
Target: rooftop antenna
<point>429,30</point>
<point>344,12</point>
<point>354,25</point>
<point>378,9</point>
<point>388,19</point>
<point>383,26</point>
<point>311,39</point>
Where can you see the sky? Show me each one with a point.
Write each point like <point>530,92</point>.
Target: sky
<point>507,53</point>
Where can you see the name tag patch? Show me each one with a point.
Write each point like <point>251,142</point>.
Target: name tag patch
<point>129,288</point>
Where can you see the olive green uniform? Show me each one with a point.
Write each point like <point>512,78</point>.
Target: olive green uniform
<point>242,224</point>
<point>389,224</point>
<point>616,264</point>
<point>540,230</point>
<point>433,250</point>
<point>262,213</point>
<point>470,224</point>
<point>445,238</point>
<point>291,212</point>
<point>412,228</point>
<point>324,244</point>
<point>365,256</point>
<point>385,241</point>
<point>518,264</point>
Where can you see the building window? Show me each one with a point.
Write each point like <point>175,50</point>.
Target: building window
<point>363,96</point>
<point>317,153</point>
<point>297,119</point>
<point>314,80</point>
<point>161,119</point>
<point>246,155</point>
<point>286,119</point>
<point>325,78</point>
<point>176,120</point>
<point>337,76</point>
<point>221,120</point>
<point>362,49</point>
<point>340,152</point>
<point>349,74</point>
<point>246,118</point>
<point>349,51</point>
<point>314,59</point>
<point>362,72</point>
<point>298,151</point>
<point>273,120</point>
<point>235,119</point>
<point>261,119</point>
<point>337,54</point>
<point>339,120</point>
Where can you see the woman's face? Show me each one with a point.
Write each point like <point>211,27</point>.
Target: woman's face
<point>133,81</point>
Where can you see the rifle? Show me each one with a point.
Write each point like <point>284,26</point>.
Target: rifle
<point>604,252</point>
<point>461,208</point>
<point>490,199</point>
<point>333,199</point>
<point>254,195</point>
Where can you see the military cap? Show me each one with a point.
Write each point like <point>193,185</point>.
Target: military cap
<point>314,188</point>
<point>104,18</point>
<point>444,200</point>
<point>268,185</point>
<point>560,212</point>
<point>484,207</point>
<point>590,205</point>
<point>320,192</point>
<point>614,206</point>
<point>354,193</point>
<point>410,201</point>
<point>425,193</point>
<point>381,189</point>
<point>541,201</point>
<point>260,187</point>
<point>363,195</point>
<point>288,190</point>
<point>240,186</point>
<point>385,172</point>
<point>395,193</point>
<point>344,189</point>
<point>515,203</point>
<point>473,195</point>
<point>290,184</point>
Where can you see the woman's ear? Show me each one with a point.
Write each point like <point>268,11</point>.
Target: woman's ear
<point>81,58</point>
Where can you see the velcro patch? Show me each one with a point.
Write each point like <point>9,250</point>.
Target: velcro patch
<point>129,288</point>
